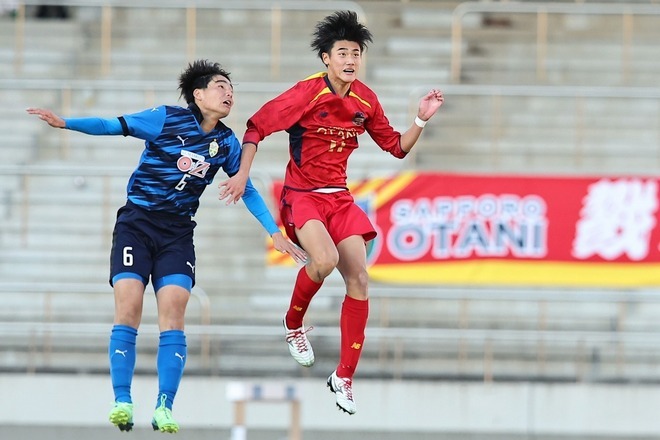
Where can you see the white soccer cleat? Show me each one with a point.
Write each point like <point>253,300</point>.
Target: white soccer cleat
<point>343,389</point>
<point>299,345</point>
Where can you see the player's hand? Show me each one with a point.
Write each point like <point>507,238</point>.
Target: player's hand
<point>286,246</point>
<point>429,104</point>
<point>233,188</point>
<point>46,115</point>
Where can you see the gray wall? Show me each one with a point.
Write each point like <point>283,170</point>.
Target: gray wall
<point>431,409</point>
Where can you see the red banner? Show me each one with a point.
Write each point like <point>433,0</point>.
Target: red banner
<point>510,230</point>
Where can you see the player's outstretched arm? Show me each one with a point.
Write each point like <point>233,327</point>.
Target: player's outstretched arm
<point>89,125</point>
<point>46,115</point>
<point>256,205</point>
<point>428,106</point>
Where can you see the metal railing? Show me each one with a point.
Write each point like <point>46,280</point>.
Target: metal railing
<point>109,199</point>
<point>627,12</point>
<point>497,104</point>
<point>502,101</point>
<point>386,341</point>
<point>66,93</point>
<point>48,327</point>
<point>191,11</point>
<point>390,339</point>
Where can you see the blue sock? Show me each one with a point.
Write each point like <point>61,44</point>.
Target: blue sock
<point>121,352</point>
<point>171,359</point>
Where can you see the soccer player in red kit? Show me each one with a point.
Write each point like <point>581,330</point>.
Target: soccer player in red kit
<point>324,114</point>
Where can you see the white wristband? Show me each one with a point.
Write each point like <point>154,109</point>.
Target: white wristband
<point>420,122</point>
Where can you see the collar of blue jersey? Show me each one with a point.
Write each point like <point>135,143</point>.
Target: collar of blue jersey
<point>198,116</point>
<point>196,112</point>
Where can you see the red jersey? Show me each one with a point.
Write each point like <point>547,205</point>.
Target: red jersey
<point>323,129</point>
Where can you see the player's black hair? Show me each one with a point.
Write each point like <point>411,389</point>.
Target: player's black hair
<point>197,76</point>
<point>342,25</point>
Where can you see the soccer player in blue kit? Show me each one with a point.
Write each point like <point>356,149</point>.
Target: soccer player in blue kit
<point>153,234</point>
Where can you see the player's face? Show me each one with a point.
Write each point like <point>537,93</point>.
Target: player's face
<point>218,96</point>
<point>343,61</point>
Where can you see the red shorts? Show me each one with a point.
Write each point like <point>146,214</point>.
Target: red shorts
<point>337,211</point>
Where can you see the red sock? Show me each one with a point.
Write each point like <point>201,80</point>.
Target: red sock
<point>353,321</point>
<point>303,292</point>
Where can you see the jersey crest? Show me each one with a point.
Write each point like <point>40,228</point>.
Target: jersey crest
<point>213,148</point>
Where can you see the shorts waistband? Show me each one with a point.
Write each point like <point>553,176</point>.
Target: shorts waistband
<point>159,214</point>
<point>328,190</point>
<point>324,190</point>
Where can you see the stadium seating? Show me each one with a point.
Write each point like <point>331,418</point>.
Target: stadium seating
<point>56,216</point>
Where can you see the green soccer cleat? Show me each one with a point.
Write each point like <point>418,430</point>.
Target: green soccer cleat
<point>162,420</point>
<point>122,416</point>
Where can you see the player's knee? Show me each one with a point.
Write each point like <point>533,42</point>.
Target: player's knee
<point>128,316</point>
<point>323,265</point>
<point>358,283</point>
<point>363,279</point>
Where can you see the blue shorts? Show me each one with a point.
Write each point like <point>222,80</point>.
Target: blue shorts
<point>148,244</point>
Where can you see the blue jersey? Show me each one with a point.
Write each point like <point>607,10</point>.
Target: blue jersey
<point>179,159</point>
